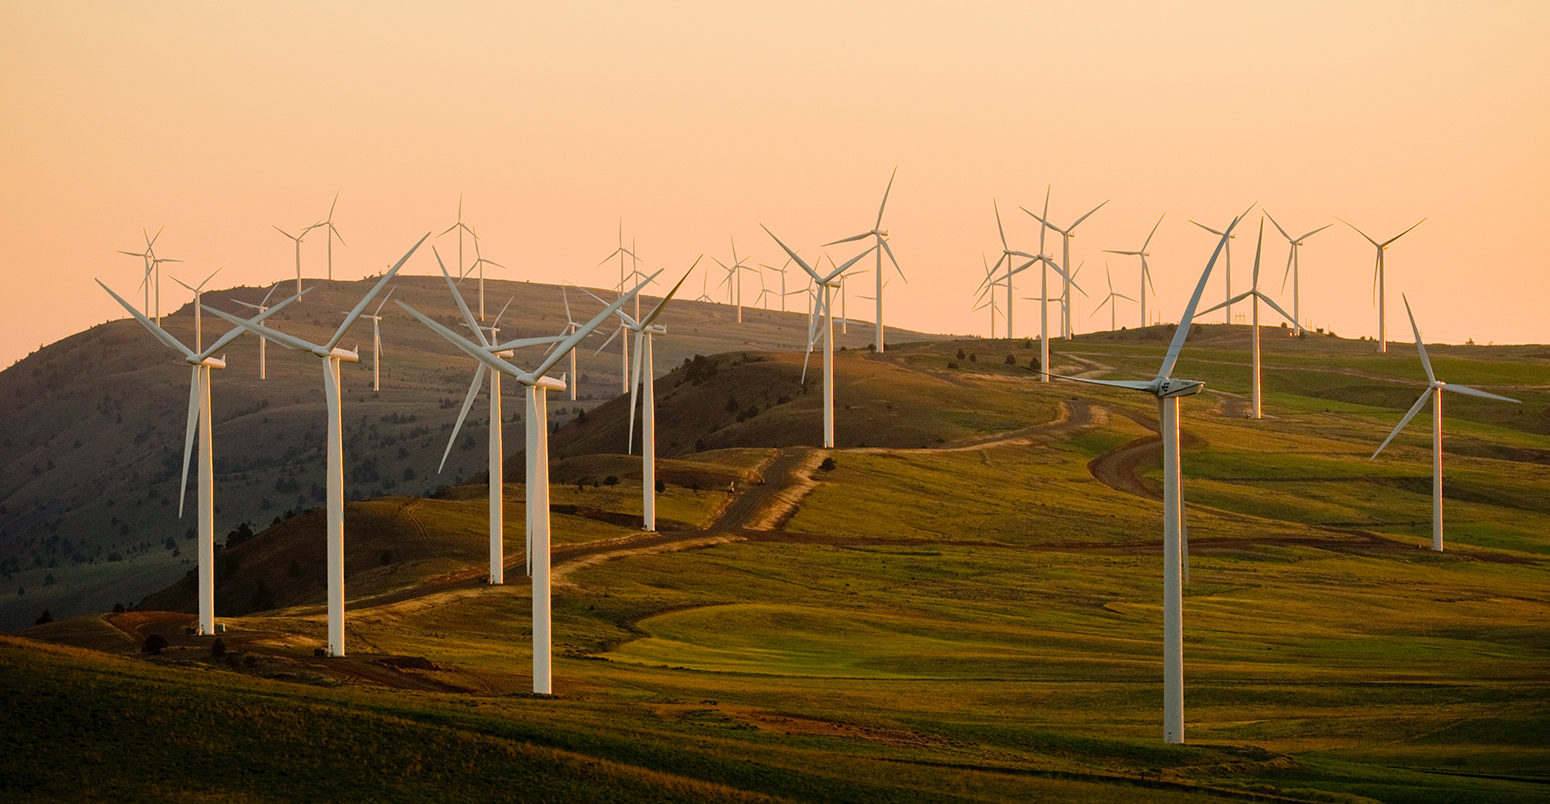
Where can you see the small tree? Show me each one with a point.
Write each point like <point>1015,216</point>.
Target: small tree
<point>827,465</point>
<point>45,617</point>
<point>1011,360</point>
<point>217,648</point>
<point>661,486</point>
<point>154,644</point>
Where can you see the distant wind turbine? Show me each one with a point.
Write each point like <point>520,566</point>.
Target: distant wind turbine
<point>624,343</point>
<point>461,228</point>
<point>1255,296</point>
<point>1434,389</point>
<point>1377,275</point>
<point>333,232</point>
<point>734,279</point>
<point>479,263</point>
<point>1226,262</point>
<point>822,315</point>
<point>537,452</point>
<point>1111,300</point>
<point>198,291</point>
<point>1065,259</point>
<point>1167,390</point>
<point>1294,269</point>
<point>296,238</point>
<point>880,238</point>
<point>331,354</point>
<point>200,363</point>
<point>376,342</point>
<point>1146,272</point>
<point>263,372</point>
<point>644,379</point>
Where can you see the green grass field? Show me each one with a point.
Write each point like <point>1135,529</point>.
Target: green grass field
<point>971,619</point>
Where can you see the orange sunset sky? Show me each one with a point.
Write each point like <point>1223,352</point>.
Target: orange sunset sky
<point>696,121</point>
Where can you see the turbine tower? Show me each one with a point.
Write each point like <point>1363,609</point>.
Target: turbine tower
<point>1065,259</point>
<point>376,342</point>
<point>332,355</point>
<point>497,454</point>
<point>1294,270</point>
<point>200,364</point>
<point>880,237</point>
<point>733,280</point>
<point>1255,296</point>
<point>1043,297</point>
<point>823,311</point>
<point>1167,390</point>
<point>1434,389</point>
<point>1146,271</point>
<point>537,453</point>
<point>1377,275</point>
<point>263,371</point>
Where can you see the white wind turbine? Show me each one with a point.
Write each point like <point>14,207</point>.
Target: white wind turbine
<point>1434,389</point>
<point>263,372</point>
<point>296,238</point>
<point>461,228</point>
<point>333,232</point>
<point>782,271</point>
<point>479,263</point>
<point>822,311</point>
<point>200,363</point>
<point>376,342</point>
<point>1065,258</point>
<point>624,343</point>
<point>570,329</point>
<point>331,355</point>
<point>537,453</point>
<point>643,378</point>
<point>733,280</point>
<point>1377,276</point>
<point>1043,298</point>
<point>1294,270</point>
<point>1255,296</point>
<point>1226,263</point>
<point>1111,300</point>
<point>198,291</point>
<point>1167,390</point>
<point>1146,272</point>
<point>496,466</point>
<point>987,294</point>
<point>880,244</point>
<point>151,280</point>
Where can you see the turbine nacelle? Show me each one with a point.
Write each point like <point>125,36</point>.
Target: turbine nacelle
<point>208,362</point>
<point>343,355</point>
<point>1176,387</point>
<point>546,383</point>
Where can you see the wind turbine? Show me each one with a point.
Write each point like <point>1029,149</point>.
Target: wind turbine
<point>263,373</point>
<point>200,364</point>
<point>332,355</point>
<point>1434,389</point>
<point>1226,263</point>
<point>461,228</point>
<point>782,271</point>
<point>644,379</point>
<point>1377,276</point>
<point>1065,258</point>
<point>624,343</point>
<point>537,453</point>
<point>1111,300</point>
<point>496,474</point>
<point>987,294</point>
<point>479,262</point>
<point>198,291</point>
<point>734,280</point>
<point>296,238</point>
<point>1043,297</point>
<point>881,246</point>
<point>376,342</point>
<point>333,232</point>
<point>1146,272</point>
<point>570,329</point>
<point>1294,270</point>
<point>1167,390</point>
<point>1256,296</point>
<point>1007,256</point>
<point>152,269</point>
<point>823,311</point>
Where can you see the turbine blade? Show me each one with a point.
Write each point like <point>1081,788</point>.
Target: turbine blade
<point>640,338</point>
<point>288,341</point>
<point>468,347</point>
<point>499,314</point>
<point>1414,409</point>
<point>1148,240</point>
<point>235,333</point>
<point>1276,307</point>
<point>1420,347</point>
<point>1316,231</point>
<point>1259,246</point>
<point>1468,391</point>
<point>792,255</point>
<point>586,329</point>
<point>999,228</point>
<point>886,191</point>
<point>656,311</point>
<point>160,334</point>
<point>609,340</point>
<point>1188,318</point>
<point>893,260</point>
<point>1291,253</point>
<point>462,306</point>
<point>862,236</point>
<point>1402,234</point>
<point>360,306</point>
<point>1073,226</point>
<point>1219,305</point>
<point>1133,385</point>
<point>188,434</point>
<point>389,295</point>
<point>1360,232</point>
<point>1278,227</point>
<point>468,402</point>
<point>522,343</point>
<point>848,263</point>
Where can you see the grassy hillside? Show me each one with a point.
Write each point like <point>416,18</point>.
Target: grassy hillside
<point>90,456</point>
